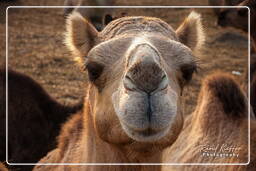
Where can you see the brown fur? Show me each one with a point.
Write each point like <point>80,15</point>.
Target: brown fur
<point>219,118</point>
<point>232,103</point>
<point>34,119</point>
<point>195,31</point>
<point>2,167</point>
<point>71,142</point>
<point>96,135</point>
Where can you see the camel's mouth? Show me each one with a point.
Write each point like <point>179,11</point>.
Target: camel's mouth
<point>146,135</point>
<point>143,118</point>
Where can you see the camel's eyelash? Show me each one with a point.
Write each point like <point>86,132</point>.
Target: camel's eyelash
<point>94,70</point>
<point>188,70</point>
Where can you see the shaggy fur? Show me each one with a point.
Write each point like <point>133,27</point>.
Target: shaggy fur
<point>188,35</point>
<point>77,30</point>
<point>34,119</point>
<point>221,117</point>
<point>97,134</point>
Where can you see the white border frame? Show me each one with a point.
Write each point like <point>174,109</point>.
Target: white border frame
<point>101,164</point>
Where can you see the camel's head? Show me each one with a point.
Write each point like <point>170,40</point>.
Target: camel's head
<point>234,17</point>
<point>99,17</point>
<point>137,67</point>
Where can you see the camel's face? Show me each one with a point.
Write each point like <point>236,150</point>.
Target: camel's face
<point>142,81</point>
<point>148,95</point>
<point>138,77</point>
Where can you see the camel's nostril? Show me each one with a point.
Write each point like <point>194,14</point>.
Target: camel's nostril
<point>163,84</point>
<point>129,78</point>
<point>148,87</point>
<point>129,83</point>
<point>144,68</point>
<point>164,76</point>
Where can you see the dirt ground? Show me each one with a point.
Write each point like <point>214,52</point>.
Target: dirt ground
<point>36,46</point>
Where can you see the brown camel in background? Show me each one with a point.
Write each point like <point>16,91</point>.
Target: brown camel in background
<point>99,17</point>
<point>219,125</point>
<point>222,3</point>
<point>34,119</point>
<point>238,18</point>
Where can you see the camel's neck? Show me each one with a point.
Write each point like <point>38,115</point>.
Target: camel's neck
<point>96,150</point>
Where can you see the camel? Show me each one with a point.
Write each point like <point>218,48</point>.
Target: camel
<point>238,18</point>
<point>137,67</point>
<point>222,3</point>
<point>218,125</point>
<point>34,119</point>
<point>98,17</point>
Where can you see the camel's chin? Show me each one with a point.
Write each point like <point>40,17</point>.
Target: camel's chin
<point>148,135</point>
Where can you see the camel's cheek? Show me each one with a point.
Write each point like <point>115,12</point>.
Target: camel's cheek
<point>107,124</point>
<point>131,108</point>
<point>176,127</point>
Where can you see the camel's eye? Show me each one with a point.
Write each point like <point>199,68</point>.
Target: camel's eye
<point>187,71</point>
<point>94,70</point>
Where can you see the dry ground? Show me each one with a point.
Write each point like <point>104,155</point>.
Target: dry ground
<point>36,46</point>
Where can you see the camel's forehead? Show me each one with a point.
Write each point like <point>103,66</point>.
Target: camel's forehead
<point>110,51</point>
<point>137,25</point>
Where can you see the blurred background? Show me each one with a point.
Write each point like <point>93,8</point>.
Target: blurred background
<point>36,45</point>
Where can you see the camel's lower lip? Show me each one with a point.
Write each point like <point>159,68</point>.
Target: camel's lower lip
<point>147,135</point>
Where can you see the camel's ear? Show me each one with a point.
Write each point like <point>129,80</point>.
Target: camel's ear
<point>190,32</point>
<point>107,19</point>
<point>81,36</point>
